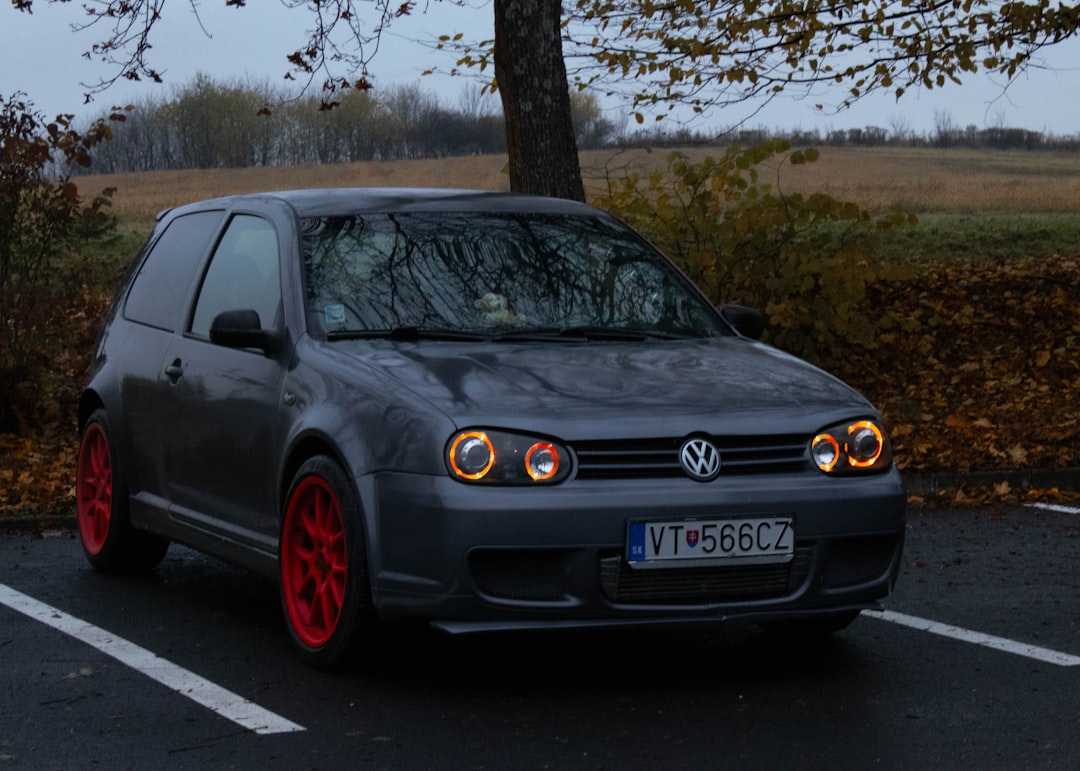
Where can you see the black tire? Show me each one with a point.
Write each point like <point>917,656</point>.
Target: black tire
<point>322,556</point>
<point>812,626</point>
<point>108,540</point>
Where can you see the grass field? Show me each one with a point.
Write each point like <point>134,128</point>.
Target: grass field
<point>971,204</point>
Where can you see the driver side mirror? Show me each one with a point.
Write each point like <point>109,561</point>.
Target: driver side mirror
<point>243,329</point>
<point>748,322</point>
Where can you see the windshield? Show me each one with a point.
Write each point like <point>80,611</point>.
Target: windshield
<point>492,275</point>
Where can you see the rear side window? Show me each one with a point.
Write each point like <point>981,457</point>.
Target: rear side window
<point>158,293</point>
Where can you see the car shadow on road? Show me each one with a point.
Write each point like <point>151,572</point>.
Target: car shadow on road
<point>635,658</point>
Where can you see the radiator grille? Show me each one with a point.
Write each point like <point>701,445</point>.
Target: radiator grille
<point>622,459</point>
<point>623,584</point>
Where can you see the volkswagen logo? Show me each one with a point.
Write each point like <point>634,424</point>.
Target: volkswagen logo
<point>700,459</point>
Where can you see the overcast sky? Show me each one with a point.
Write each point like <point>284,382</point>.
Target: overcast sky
<point>41,56</point>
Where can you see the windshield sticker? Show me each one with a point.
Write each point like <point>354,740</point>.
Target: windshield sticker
<point>335,314</point>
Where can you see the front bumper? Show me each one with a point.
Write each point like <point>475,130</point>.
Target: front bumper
<point>474,558</point>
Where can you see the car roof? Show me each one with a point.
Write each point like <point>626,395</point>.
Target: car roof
<point>317,202</point>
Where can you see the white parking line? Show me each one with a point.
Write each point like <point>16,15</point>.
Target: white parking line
<point>978,638</point>
<point>1054,507</point>
<point>225,703</point>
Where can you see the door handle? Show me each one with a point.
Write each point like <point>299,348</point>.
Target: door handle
<point>174,371</point>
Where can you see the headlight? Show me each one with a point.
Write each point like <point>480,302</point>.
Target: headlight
<point>499,457</point>
<point>851,448</point>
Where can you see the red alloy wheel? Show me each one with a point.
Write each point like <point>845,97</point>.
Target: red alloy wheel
<point>94,488</point>
<point>314,568</point>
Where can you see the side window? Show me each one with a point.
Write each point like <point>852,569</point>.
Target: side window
<point>160,289</point>
<point>243,274</point>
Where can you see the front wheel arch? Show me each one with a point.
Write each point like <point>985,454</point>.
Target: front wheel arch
<point>323,564</point>
<point>305,449</point>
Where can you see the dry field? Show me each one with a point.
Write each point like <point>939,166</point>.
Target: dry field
<point>139,196</point>
<point>921,180</point>
<point>927,180</point>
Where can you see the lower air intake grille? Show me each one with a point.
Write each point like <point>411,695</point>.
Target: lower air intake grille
<point>529,576</point>
<point>623,584</point>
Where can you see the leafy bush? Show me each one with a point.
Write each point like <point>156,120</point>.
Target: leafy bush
<point>43,220</point>
<point>806,261</point>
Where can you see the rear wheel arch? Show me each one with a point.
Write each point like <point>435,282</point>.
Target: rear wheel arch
<point>109,541</point>
<point>89,402</point>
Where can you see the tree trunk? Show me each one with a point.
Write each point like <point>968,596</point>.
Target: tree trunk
<point>531,76</point>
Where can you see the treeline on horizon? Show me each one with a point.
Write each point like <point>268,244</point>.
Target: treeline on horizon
<point>207,124</point>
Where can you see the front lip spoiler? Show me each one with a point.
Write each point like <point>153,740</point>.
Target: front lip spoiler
<point>522,625</point>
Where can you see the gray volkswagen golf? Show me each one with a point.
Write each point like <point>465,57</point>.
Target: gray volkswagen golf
<point>486,411</point>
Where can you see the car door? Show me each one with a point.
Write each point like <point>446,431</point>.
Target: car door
<point>224,404</point>
<point>155,312</point>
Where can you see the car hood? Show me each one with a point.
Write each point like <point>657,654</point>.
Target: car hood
<point>657,388</point>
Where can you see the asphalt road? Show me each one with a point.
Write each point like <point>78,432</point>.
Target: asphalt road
<point>199,672</point>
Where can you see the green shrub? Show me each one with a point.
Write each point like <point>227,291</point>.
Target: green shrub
<point>806,261</point>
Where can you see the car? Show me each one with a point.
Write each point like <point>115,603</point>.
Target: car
<point>482,411</point>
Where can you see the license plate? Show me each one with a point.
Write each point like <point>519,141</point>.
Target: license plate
<point>711,542</point>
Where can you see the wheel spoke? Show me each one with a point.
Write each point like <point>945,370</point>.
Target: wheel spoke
<point>100,522</point>
<point>307,525</point>
<point>327,610</point>
<point>319,506</point>
<point>337,586</point>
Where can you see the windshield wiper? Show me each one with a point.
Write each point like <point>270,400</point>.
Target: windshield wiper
<point>579,333</point>
<point>406,334</point>
<point>586,332</point>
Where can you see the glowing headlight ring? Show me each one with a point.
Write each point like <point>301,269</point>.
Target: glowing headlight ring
<point>834,445</point>
<point>539,447</point>
<point>865,425</point>
<point>470,436</point>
